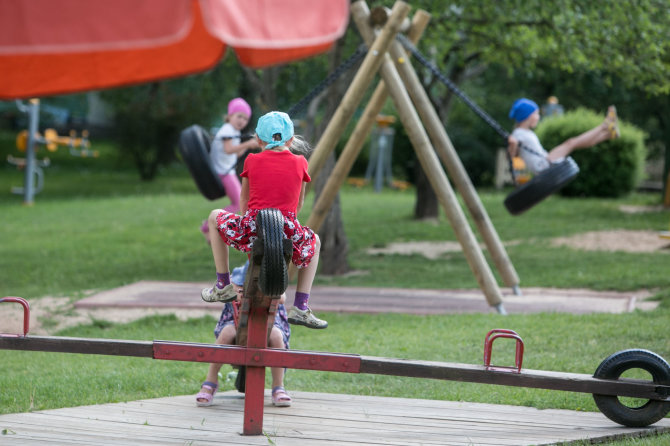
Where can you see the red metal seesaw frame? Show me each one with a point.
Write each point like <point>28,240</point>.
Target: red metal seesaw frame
<point>257,358</point>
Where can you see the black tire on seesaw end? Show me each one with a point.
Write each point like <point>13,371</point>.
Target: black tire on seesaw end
<point>541,186</point>
<point>194,146</point>
<point>273,275</point>
<point>613,367</point>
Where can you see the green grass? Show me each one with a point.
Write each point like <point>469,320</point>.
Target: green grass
<point>97,226</point>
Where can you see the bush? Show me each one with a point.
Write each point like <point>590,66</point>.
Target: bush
<point>612,168</point>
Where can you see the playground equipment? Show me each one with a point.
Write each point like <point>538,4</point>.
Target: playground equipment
<point>267,271</point>
<point>402,84</point>
<point>26,142</point>
<point>529,193</point>
<point>381,147</point>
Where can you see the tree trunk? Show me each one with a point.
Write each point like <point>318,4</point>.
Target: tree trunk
<point>426,206</point>
<point>334,244</point>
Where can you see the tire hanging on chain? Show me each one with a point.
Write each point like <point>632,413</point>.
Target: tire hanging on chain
<point>537,189</point>
<point>194,146</point>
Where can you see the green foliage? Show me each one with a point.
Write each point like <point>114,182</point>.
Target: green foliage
<point>612,168</point>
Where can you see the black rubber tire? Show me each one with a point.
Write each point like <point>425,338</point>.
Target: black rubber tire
<point>273,274</point>
<point>241,379</point>
<point>541,186</point>
<point>613,367</point>
<point>194,145</point>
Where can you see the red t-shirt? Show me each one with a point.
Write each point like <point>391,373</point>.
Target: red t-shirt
<point>275,179</point>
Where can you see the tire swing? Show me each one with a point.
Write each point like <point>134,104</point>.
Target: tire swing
<point>636,415</point>
<point>194,146</point>
<point>541,185</point>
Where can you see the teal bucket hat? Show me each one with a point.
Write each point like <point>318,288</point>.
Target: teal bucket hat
<point>274,123</point>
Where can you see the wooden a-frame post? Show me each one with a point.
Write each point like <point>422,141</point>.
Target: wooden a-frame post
<point>393,84</point>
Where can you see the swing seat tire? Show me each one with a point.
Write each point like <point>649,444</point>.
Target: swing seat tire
<point>541,186</point>
<point>194,146</point>
<point>639,413</point>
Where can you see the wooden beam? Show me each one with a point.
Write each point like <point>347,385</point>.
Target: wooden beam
<point>431,165</point>
<point>538,379</point>
<point>357,139</point>
<point>113,347</point>
<point>452,162</point>
<point>356,90</point>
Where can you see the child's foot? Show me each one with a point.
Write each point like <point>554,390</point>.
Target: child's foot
<point>296,316</point>
<point>612,122</point>
<point>280,398</point>
<point>216,294</point>
<point>206,395</point>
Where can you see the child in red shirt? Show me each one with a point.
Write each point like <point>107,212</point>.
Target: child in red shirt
<point>274,178</point>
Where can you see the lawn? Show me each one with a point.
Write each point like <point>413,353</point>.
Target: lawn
<point>96,226</point>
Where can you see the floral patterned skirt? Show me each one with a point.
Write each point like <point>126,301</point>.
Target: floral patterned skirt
<point>239,232</point>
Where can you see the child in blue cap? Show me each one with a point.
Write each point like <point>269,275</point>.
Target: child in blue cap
<point>274,178</point>
<point>526,114</point>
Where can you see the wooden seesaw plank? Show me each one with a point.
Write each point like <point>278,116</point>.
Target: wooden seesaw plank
<point>307,360</point>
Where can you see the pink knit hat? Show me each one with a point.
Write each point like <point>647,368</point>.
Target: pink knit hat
<point>239,105</point>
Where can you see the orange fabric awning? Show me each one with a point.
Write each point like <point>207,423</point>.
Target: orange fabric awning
<point>52,47</point>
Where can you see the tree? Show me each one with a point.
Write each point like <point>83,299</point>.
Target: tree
<point>149,117</point>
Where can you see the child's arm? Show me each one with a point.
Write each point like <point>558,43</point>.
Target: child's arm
<point>512,146</point>
<point>239,149</point>
<point>244,196</point>
<point>301,200</point>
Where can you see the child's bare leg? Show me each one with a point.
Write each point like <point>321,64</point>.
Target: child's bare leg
<point>279,395</point>
<point>227,336</point>
<point>590,138</point>
<point>306,275</point>
<point>219,247</point>
<point>223,290</point>
<point>300,314</point>
<point>277,341</point>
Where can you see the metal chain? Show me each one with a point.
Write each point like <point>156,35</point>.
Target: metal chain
<point>360,52</point>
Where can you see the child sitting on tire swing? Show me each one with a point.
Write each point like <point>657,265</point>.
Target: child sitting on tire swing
<point>274,178</point>
<point>527,115</point>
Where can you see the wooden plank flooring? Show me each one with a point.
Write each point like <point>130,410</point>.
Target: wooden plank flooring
<point>314,419</point>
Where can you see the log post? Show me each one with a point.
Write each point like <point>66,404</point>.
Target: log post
<point>357,139</point>
<point>356,90</point>
<point>452,162</point>
<point>431,165</point>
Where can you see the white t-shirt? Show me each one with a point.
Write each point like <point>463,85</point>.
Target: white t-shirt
<point>222,162</point>
<point>534,154</point>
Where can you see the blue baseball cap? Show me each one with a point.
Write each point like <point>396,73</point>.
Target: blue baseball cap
<point>522,109</point>
<point>239,274</point>
<point>272,123</point>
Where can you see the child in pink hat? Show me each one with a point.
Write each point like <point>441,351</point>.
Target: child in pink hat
<point>225,150</point>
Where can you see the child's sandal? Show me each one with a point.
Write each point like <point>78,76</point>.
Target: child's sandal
<point>280,398</point>
<point>203,399</point>
<point>613,122</point>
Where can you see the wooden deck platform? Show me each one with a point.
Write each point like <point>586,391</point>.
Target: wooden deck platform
<point>314,419</point>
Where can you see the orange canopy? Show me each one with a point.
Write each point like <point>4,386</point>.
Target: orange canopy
<point>52,47</point>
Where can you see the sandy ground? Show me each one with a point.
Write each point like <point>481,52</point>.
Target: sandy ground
<point>50,314</point>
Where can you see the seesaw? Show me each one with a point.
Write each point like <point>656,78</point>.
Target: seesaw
<point>268,271</point>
